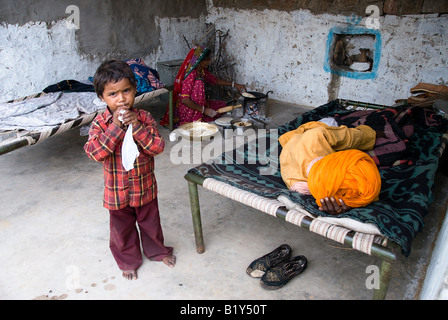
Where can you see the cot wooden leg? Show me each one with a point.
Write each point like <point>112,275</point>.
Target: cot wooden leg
<point>196,215</point>
<point>385,275</point>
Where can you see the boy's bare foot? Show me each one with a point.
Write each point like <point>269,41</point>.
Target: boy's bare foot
<point>130,274</point>
<point>170,261</point>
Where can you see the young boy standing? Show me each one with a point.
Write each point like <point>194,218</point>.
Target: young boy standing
<point>130,196</point>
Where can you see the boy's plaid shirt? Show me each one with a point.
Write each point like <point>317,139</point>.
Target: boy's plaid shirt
<point>121,188</point>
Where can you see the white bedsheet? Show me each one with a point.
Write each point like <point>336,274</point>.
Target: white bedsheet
<point>48,111</point>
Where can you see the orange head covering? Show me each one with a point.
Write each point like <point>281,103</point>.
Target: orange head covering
<point>350,175</point>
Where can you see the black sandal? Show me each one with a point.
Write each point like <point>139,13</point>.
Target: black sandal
<point>279,276</point>
<point>259,266</point>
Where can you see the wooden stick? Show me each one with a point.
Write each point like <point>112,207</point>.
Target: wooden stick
<point>229,108</point>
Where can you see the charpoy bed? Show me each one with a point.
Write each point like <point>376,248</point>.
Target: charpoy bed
<point>66,105</point>
<point>35,118</point>
<point>407,159</point>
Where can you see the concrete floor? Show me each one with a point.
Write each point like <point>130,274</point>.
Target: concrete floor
<point>54,236</point>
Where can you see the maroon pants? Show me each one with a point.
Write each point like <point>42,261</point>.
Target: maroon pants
<point>125,239</point>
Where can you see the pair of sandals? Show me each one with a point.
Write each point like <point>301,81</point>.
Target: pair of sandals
<point>277,267</point>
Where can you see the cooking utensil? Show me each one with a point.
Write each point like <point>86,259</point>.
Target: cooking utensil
<point>241,125</point>
<point>229,108</point>
<point>248,95</point>
<point>258,95</point>
<point>224,121</point>
<point>256,107</point>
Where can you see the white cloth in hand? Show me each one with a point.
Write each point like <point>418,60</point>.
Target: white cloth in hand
<point>129,150</point>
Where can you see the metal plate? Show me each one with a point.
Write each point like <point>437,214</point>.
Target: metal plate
<point>224,121</point>
<point>198,130</point>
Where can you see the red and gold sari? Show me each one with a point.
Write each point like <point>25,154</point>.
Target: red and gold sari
<point>190,83</point>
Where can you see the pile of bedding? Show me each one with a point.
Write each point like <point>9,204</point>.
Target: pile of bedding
<point>48,111</point>
<point>67,100</point>
<point>147,79</point>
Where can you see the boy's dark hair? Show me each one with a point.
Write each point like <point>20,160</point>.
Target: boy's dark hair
<point>112,71</point>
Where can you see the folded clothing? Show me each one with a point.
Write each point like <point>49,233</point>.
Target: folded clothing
<point>70,86</point>
<point>147,78</point>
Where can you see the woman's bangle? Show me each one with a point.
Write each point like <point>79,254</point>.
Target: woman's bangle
<point>203,109</point>
<point>233,84</point>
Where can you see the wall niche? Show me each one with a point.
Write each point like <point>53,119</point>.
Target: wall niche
<point>353,52</point>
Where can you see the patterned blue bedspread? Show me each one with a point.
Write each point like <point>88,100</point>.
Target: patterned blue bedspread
<point>407,160</point>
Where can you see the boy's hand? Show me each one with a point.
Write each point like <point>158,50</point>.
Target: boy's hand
<point>117,117</point>
<point>124,117</point>
<point>130,117</point>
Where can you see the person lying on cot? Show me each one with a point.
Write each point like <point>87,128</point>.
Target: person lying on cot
<point>327,161</point>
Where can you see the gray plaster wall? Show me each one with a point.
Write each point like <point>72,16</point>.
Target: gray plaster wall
<point>288,52</point>
<point>39,48</point>
<point>118,27</point>
<point>279,46</point>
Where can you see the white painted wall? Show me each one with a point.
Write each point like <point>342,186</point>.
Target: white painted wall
<point>172,32</point>
<point>285,52</point>
<point>436,280</point>
<point>274,50</point>
<point>35,55</point>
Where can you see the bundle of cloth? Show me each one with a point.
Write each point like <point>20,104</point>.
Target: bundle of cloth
<point>147,79</point>
<point>341,156</point>
<point>48,111</point>
<point>325,161</point>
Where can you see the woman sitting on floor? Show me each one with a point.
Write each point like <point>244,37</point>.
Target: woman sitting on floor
<point>189,89</point>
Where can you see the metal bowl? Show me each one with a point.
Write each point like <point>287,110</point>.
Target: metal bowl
<point>241,125</point>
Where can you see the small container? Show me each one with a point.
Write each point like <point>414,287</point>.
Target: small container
<point>241,125</point>
<point>224,124</point>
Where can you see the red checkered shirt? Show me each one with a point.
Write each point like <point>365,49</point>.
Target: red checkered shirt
<point>138,186</point>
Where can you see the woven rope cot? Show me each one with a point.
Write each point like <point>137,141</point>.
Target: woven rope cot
<point>370,244</point>
<point>361,241</point>
<point>362,237</point>
<point>20,138</point>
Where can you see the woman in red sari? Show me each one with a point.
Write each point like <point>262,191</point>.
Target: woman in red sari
<point>189,90</point>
